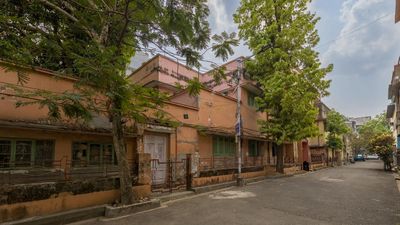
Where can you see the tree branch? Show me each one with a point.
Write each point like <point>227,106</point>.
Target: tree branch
<point>71,17</point>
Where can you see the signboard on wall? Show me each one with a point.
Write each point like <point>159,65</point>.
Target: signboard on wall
<point>398,142</point>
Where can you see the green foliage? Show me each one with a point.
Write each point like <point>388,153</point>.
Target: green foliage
<point>375,127</point>
<point>282,35</point>
<point>336,123</point>
<point>223,46</point>
<point>218,73</point>
<point>194,86</point>
<point>93,41</point>
<point>334,142</point>
<point>336,126</point>
<point>382,145</point>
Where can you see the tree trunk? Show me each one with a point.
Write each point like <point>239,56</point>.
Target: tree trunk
<point>279,158</point>
<point>125,179</point>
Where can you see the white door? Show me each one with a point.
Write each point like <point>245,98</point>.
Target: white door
<point>156,146</point>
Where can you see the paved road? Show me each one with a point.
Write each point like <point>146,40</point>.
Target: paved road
<point>357,194</point>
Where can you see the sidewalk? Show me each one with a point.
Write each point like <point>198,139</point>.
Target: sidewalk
<point>99,211</point>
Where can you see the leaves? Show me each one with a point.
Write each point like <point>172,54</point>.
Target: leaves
<point>334,142</point>
<point>223,46</point>
<point>336,127</point>
<point>194,86</point>
<point>372,128</point>
<point>382,144</point>
<point>281,35</point>
<point>336,123</point>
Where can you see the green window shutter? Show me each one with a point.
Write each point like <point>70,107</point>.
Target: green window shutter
<point>251,100</point>
<point>226,146</point>
<point>215,145</point>
<point>253,148</point>
<point>233,147</point>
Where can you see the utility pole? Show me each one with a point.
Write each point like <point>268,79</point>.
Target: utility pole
<point>239,123</point>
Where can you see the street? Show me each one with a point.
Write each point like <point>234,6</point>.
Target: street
<point>361,193</point>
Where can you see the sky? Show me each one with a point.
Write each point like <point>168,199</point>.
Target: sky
<point>359,37</point>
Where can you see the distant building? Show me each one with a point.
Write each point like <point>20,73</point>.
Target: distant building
<point>393,111</point>
<point>356,122</point>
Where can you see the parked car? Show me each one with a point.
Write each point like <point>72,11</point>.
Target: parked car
<point>359,157</point>
<point>372,156</point>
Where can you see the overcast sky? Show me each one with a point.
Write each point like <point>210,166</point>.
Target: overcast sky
<point>358,36</point>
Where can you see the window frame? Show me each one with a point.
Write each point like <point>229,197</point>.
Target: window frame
<point>87,159</point>
<point>33,143</point>
<point>223,146</point>
<point>251,99</point>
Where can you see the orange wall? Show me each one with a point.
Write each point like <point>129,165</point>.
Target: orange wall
<point>37,80</point>
<point>64,202</point>
<point>146,72</point>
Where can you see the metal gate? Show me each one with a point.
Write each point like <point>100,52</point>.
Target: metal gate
<point>177,174</point>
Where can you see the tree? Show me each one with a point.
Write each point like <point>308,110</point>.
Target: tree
<point>282,36</point>
<point>336,126</point>
<point>93,41</point>
<point>372,128</point>
<point>382,145</point>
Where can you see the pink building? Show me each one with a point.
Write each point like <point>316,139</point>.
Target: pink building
<point>34,149</point>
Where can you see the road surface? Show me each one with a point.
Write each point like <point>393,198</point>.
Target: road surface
<point>361,193</point>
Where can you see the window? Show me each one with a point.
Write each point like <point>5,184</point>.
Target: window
<point>274,149</point>
<point>254,150</point>
<point>44,153</point>
<point>224,146</point>
<point>93,154</point>
<point>251,99</point>
<point>26,153</point>
<point>23,153</point>
<point>5,153</point>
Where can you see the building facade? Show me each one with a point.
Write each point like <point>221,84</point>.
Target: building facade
<point>392,111</point>
<point>38,154</point>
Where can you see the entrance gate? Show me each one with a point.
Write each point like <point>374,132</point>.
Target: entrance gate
<point>167,174</point>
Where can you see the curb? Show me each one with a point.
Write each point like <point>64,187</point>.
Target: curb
<point>213,187</point>
<point>174,196</point>
<point>112,212</point>
<point>63,217</point>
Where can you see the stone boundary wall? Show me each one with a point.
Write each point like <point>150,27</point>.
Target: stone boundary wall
<point>317,166</point>
<point>65,201</point>
<point>203,181</point>
<point>291,170</point>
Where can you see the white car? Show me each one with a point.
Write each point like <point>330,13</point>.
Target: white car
<point>372,156</point>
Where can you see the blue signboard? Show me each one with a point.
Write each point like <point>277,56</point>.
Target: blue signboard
<point>398,142</point>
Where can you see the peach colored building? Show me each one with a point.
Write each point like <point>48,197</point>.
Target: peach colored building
<point>207,129</point>
<point>35,149</point>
